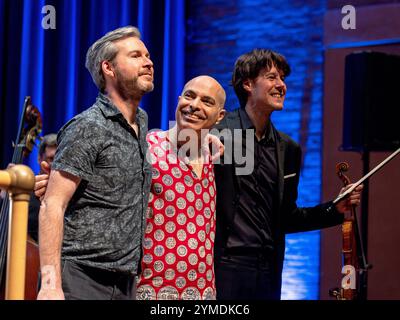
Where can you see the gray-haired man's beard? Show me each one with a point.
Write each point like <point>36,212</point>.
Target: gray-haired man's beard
<point>133,88</point>
<point>148,87</point>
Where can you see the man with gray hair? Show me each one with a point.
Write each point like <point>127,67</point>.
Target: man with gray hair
<point>92,217</point>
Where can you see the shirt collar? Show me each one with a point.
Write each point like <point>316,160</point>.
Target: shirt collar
<point>247,124</point>
<point>109,109</point>
<point>106,106</point>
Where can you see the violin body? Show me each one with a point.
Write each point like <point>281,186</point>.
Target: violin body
<point>354,262</point>
<point>350,263</point>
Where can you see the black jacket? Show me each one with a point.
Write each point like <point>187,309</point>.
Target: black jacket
<point>290,218</point>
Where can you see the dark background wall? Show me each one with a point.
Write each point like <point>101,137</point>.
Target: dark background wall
<point>377,29</point>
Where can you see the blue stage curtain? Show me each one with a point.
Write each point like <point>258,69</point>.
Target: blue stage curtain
<point>49,65</point>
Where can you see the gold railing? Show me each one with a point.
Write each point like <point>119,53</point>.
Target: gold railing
<point>19,181</point>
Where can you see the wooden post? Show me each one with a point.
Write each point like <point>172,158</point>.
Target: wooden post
<point>19,181</point>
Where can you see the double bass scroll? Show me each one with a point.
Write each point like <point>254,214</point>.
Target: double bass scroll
<point>30,126</point>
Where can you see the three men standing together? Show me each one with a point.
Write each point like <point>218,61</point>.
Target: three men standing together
<point>92,220</point>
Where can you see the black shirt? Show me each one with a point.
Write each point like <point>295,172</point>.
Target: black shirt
<point>105,220</point>
<point>254,217</point>
<point>33,217</point>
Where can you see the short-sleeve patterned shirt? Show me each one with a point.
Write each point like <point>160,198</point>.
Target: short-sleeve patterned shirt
<point>178,256</point>
<point>104,223</point>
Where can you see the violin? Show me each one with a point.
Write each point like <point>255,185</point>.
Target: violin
<point>353,286</point>
<point>29,129</point>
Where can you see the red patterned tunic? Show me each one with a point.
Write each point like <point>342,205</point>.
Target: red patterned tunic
<point>178,257</point>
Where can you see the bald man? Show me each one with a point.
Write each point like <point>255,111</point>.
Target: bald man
<point>178,254</point>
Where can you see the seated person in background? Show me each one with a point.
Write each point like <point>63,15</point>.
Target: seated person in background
<point>47,150</point>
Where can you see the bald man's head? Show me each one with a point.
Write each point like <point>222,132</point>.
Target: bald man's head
<point>211,82</point>
<point>201,104</point>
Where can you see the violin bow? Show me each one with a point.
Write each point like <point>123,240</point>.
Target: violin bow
<point>369,174</point>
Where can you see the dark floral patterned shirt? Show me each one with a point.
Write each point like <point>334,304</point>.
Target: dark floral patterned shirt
<point>105,220</point>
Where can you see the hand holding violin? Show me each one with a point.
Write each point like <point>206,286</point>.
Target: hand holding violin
<point>354,199</point>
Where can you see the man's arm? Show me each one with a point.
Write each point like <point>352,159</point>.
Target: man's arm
<point>60,190</point>
<point>299,219</point>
